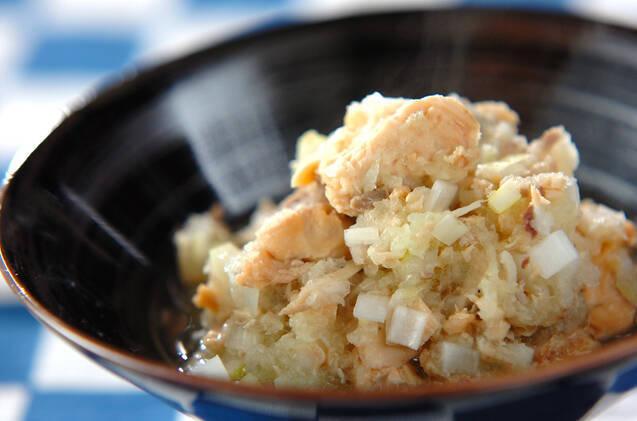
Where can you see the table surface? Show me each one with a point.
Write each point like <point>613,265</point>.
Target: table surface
<point>53,52</point>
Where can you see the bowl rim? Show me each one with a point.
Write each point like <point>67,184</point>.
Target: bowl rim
<point>620,350</point>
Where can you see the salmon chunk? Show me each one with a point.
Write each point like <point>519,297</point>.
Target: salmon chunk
<point>401,142</point>
<point>305,229</point>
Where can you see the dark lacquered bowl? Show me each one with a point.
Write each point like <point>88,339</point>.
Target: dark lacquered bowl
<point>86,222</point>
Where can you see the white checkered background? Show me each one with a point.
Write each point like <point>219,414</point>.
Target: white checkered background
<point>52,52</point>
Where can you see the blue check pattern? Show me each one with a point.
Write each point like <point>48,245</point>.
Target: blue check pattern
<point>53,52</point>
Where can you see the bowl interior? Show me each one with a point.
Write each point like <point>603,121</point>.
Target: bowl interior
<point>87,221</point>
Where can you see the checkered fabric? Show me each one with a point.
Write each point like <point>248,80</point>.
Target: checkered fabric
<point>52,52</point>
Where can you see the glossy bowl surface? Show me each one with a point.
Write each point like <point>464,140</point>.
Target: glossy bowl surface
<point>86,222</point>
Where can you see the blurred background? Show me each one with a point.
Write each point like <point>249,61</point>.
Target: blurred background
<point>55,53</point>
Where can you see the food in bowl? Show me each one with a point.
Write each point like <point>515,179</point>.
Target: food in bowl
<point>426,241</point>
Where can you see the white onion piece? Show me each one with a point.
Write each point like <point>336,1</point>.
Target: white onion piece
<point>504,197</point>
<point>218,279</point>
<point>459,359</point>
<point>466,209</point>
<point>497,170</point>
<point>509,266</point>
<point>218,258</point>
<point>516,355</point>
<point>441,195</point>
<point>488,152</point>
<point>369,180</point>
<point>210,368</point>
<point>449,229</point>
<point>523,355</point>
<point>410,328</point>
<point>245,298</point>
<point>572,190</point>
<point>371,307</point>
<point>542,220</point>
<point>219,266</point>
<point>360,236</point>
<point>553,254</point>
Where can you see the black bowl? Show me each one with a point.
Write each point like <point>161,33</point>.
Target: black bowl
<point>86,222</point>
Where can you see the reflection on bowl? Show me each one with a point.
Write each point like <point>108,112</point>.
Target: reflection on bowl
<point>86,222</point>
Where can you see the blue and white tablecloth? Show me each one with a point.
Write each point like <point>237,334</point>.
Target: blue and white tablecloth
<point>52,52</point>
